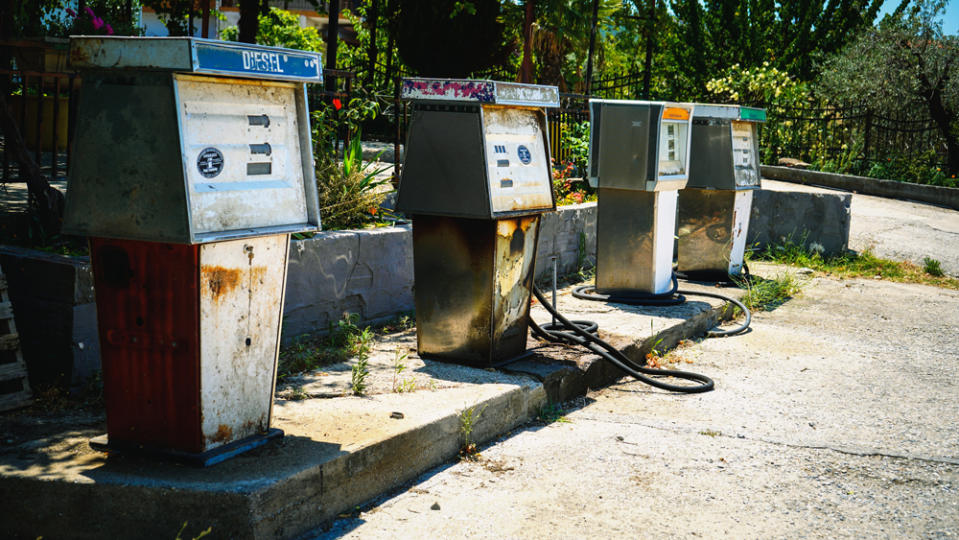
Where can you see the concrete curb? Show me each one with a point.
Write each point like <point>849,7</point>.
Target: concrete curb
<point>337,454</point>
<point>943,196</point>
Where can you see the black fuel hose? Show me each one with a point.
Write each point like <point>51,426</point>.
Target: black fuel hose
<point>584,333</point>
<point>670,298</point>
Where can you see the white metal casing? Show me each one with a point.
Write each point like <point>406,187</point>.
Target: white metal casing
<point>242,285</point>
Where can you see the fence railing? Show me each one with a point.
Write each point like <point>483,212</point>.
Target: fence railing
<point>42,105</point>
<point>850,136</point>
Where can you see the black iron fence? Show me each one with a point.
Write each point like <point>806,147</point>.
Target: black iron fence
<point>42,105</point>
<point>573,110</point>
<point>851,138</point>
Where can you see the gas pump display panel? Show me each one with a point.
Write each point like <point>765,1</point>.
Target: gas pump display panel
<point>477,149</point>
<point>241,153</point>
<point>639,145</point>
<point>168,151</point>
<point>725,143</point>
<point>517,160</point>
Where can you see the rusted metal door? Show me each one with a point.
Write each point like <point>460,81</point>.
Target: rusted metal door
<point>241,304</point>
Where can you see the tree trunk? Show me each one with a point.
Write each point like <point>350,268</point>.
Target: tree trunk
<point>943,120</point>
<point>249,20</point>
<point>648,64</point>
<point>592,46</point>
<point>390,38</point>
<point>332,40</point>
<point>526,67</point>
<point>372,19</point>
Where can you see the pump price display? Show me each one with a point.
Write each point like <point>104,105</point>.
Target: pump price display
<point>744,155</point>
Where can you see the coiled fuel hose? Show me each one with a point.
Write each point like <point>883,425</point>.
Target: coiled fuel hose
<point>584,333</point>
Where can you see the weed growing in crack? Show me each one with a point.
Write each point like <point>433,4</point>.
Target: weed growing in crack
<point>468,418</point>
<point>767,294</point>
<point>552,412</point>
<point>401,385</point>
<point>654,357</point>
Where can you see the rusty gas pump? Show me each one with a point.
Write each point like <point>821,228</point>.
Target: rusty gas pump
<point>475,179</point>
<point>192,166</point>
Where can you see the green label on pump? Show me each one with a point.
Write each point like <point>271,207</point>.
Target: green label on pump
<point>756,115</point>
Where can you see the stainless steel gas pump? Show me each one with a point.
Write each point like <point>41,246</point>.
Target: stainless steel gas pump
<point>638,158</point>
<point>714,208</point>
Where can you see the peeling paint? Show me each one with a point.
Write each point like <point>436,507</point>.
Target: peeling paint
<point>531,95</point>
<point>240,307</point>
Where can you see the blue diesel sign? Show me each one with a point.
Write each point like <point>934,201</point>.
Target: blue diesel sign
<point>257,62</point>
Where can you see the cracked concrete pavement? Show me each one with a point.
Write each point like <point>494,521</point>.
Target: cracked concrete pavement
<point>835,417</point>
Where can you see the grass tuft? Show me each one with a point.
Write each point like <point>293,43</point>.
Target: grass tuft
<point>344,340</point>
<point>864,264</point>
<point>932,267</point>
<point>764,294</point>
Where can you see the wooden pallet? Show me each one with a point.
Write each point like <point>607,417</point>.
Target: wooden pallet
<point>14,386</point>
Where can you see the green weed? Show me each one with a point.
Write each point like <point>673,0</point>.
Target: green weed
<point>401,385</point>
<point>297,394</point>
<point>864,264</point>
<point>767,294</point>
<point>932,267</point>
<point>360,371</point>
<point>344,340</point>
<point>468,418</point>
<point>654,356</point>
<point>179,534</point>
<point>552,412</point>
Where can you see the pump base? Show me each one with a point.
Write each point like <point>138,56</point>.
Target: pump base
<point>201,459</point>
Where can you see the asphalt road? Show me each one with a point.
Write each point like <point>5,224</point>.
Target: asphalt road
<point>835,417</point>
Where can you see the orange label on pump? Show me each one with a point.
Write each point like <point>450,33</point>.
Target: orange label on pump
<point>675,113</point>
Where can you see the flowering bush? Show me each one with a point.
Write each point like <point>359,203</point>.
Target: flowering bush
<point>96,18</point>
<point>763,86</point>
<point>86,22</point>
<point>570,190</point>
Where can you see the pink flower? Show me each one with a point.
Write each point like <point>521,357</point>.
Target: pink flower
<point>97,23</point>
<point>90,12</point>
<point>109,30</point>
<point>71,13</point>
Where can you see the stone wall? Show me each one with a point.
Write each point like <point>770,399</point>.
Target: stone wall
<point>55,313</point>
<point>940,195</point>
<point>368,272</point>
<point>814,218</point>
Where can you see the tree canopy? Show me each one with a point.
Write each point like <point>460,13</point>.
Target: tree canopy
<point>905,64</point>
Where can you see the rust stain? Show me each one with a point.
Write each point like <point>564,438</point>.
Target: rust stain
<point>223,433</point>
<point>220,280</point>
<point>508,227</point>
<point>257,274</point>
